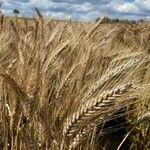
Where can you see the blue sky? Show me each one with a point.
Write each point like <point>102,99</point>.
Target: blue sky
<point>80,9</point>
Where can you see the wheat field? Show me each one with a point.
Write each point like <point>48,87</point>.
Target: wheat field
<point>67,85</point>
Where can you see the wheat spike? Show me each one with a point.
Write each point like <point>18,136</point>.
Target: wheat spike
<point>92,107</point>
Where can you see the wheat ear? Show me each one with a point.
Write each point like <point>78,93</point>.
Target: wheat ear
<point>92,107</point>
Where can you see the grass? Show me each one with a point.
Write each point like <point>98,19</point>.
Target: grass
<point>73,85</point>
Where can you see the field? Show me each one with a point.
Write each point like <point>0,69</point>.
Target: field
<point>68,85</point>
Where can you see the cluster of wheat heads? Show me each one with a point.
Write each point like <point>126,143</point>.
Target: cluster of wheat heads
<point>61,82</point>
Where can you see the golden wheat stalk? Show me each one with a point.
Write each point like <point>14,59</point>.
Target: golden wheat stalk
<point>92,107</point>
<point>124,57</point>
<point>23,97</point>
<point>38,13</point>
<point>53,56</point>
<point>95,27</point>
<point>111,74</point>
<point>16,32</point>
<point>65,81</point>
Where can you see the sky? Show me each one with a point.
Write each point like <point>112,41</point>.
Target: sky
<point>86,10</point>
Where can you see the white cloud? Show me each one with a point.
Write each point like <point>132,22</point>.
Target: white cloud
<point>134,9</point>
<point>143,4</point>
<point>128,8</point>
<point>86,7</point>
